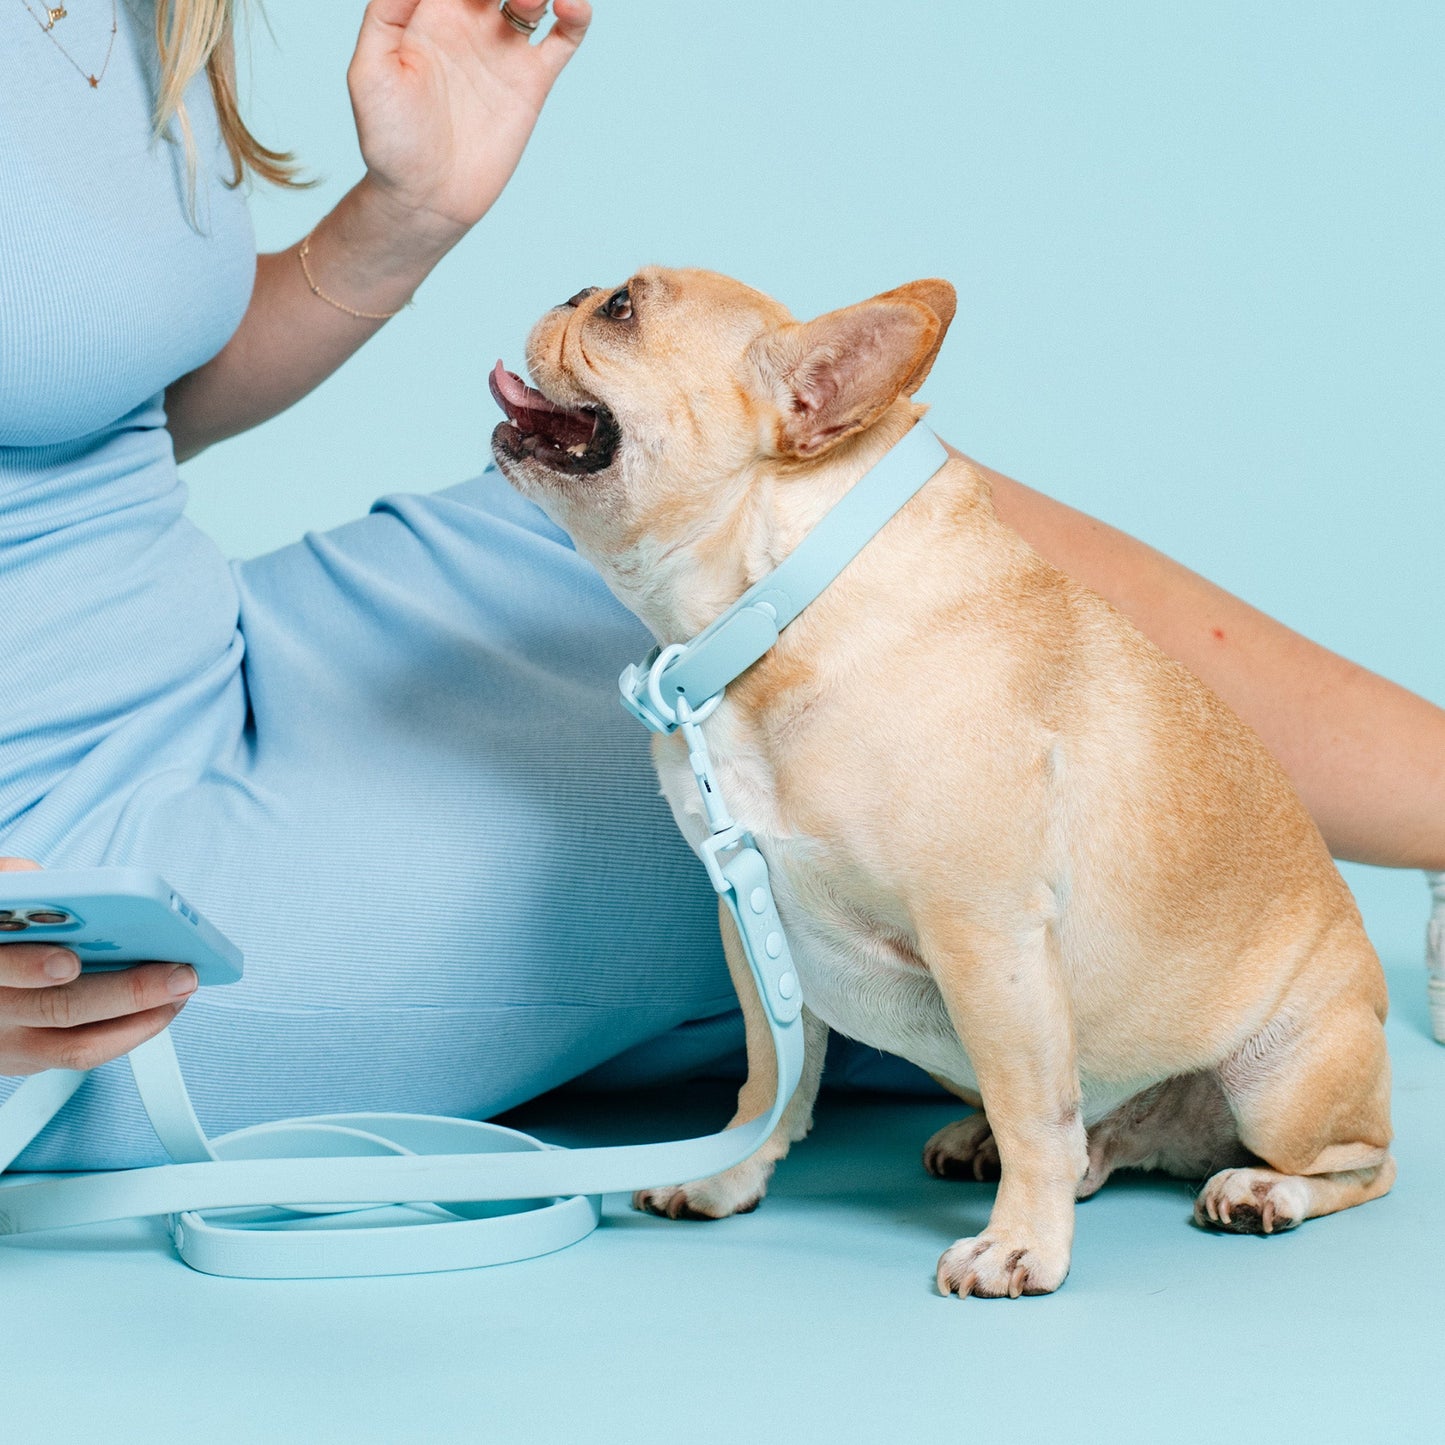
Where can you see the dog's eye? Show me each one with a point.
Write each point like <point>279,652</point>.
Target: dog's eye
<point>618,306</point>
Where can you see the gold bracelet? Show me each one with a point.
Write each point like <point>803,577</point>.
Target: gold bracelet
<point>331,300</point>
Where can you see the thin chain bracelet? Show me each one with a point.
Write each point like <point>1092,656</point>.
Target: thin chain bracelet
<point>331,300</point>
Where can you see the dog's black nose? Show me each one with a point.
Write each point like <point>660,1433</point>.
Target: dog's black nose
<point>582,295</point>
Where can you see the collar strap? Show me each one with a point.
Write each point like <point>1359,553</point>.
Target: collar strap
<point>698,671</point>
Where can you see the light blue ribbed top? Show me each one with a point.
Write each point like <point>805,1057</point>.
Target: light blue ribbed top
<point>110,288</point>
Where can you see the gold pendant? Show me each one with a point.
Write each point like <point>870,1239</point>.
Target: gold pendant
<point>54,13</point>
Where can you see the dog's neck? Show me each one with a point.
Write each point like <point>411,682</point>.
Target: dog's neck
<point>775,506</point>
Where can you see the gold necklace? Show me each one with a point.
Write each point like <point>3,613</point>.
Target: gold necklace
<point>53,13</point>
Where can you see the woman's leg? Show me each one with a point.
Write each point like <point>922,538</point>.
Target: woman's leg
<point>1367,756</point>
<point>433,831</point>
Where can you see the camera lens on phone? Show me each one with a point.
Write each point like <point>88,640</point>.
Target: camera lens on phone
<point>10,924</point>
<point>48,915</point>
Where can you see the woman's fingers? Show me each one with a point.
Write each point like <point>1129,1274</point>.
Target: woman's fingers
<point>92,1019</point>
<point>388,15</point>
<point>84,1047</point>
<point>568,30</point>
<point>32,965</point>
<point>95,997</point>
<point>530,11</point>
<point>54,1017</point>
<point>35,965</point>
<point>382,27</point>
<point>569,27</point>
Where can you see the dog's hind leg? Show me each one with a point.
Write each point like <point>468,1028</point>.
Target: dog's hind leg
<point>1264,1201</point>
<point>1182,1126</point>
<point>964,1149</point>
<point>1310,1093</point>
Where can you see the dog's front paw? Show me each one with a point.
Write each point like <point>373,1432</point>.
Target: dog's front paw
<point>992,1268</point>
<point>1252,1201</point>
<point>735,1191</point>
<point>964,1149</point>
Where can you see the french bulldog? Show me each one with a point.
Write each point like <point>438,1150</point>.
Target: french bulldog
<point>1010,839</point>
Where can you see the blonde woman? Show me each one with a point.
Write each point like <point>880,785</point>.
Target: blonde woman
<point>388,760</point>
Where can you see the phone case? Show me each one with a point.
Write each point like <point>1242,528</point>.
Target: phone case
<point>112,918</point>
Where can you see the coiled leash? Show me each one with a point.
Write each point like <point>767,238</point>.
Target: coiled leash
<point>501,1194</point>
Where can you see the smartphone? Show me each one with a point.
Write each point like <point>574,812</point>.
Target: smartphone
<point>112,918</point>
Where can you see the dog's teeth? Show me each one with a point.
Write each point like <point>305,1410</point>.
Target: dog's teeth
<point>577,450</point>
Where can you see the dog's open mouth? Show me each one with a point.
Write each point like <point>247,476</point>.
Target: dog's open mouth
<point>566,438</point>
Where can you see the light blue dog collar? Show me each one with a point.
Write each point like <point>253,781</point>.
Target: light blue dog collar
<point>699,670</point>
<point>508,1196</point>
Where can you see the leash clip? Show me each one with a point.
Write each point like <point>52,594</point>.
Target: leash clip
<point>642,695</point>
<point>715,843</point>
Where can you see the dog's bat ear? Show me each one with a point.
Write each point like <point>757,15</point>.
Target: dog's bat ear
<point>941,299</point>
<point>838,374</point>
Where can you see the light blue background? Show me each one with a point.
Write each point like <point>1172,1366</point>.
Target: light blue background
<point>1197,249</point>
<point>1198,256</point>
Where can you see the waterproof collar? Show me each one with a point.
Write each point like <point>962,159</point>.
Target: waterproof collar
<point>698,671</point>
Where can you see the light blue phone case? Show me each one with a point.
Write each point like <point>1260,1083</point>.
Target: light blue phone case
<point>114,917</point>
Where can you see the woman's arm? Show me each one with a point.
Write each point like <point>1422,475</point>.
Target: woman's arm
<point>1367,757</point>
<point>445,95</point>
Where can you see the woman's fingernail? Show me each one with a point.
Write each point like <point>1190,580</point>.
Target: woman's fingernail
<point>61,964</point>
<point>182,980</point>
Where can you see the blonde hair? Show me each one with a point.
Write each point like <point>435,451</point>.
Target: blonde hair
<point>196,35</point>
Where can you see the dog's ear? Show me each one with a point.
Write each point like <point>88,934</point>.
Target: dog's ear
<point>834,376</point>
<point>941,299</point>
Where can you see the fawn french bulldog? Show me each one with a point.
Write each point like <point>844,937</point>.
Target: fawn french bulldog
<point>1009,838</point>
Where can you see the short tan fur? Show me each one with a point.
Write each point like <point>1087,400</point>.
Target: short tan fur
<point>1011,840</point>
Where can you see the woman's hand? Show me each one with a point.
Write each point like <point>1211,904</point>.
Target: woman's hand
<point>445,95</point>
<point>53,1017</point>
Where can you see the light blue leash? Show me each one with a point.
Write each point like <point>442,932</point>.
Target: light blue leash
<point>522,1197</point>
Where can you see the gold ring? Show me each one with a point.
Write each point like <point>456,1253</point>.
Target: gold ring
<point>522,27</point>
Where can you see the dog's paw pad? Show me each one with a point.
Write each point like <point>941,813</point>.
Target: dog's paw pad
<point>994,1269</point>
<point>964,1149</point>
<point>1252,1201</point>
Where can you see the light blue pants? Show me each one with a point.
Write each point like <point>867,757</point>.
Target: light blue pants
<point>437,837</point>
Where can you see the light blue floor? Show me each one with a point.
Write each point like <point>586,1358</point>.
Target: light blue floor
<point>814,1319</point>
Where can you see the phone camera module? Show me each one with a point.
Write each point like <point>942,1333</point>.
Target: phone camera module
<point>48,916</point>
<point>9,923</point>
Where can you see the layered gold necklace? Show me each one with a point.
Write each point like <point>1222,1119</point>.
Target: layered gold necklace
<point>49,16</point>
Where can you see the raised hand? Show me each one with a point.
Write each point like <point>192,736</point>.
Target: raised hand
<point>445,95</point>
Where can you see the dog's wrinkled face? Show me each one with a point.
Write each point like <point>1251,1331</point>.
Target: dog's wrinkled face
<point>634,384</point>
<point>661,404</point>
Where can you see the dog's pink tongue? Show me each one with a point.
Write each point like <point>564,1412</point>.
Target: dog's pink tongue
<point>531,412</point>
<point>512,393</point>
